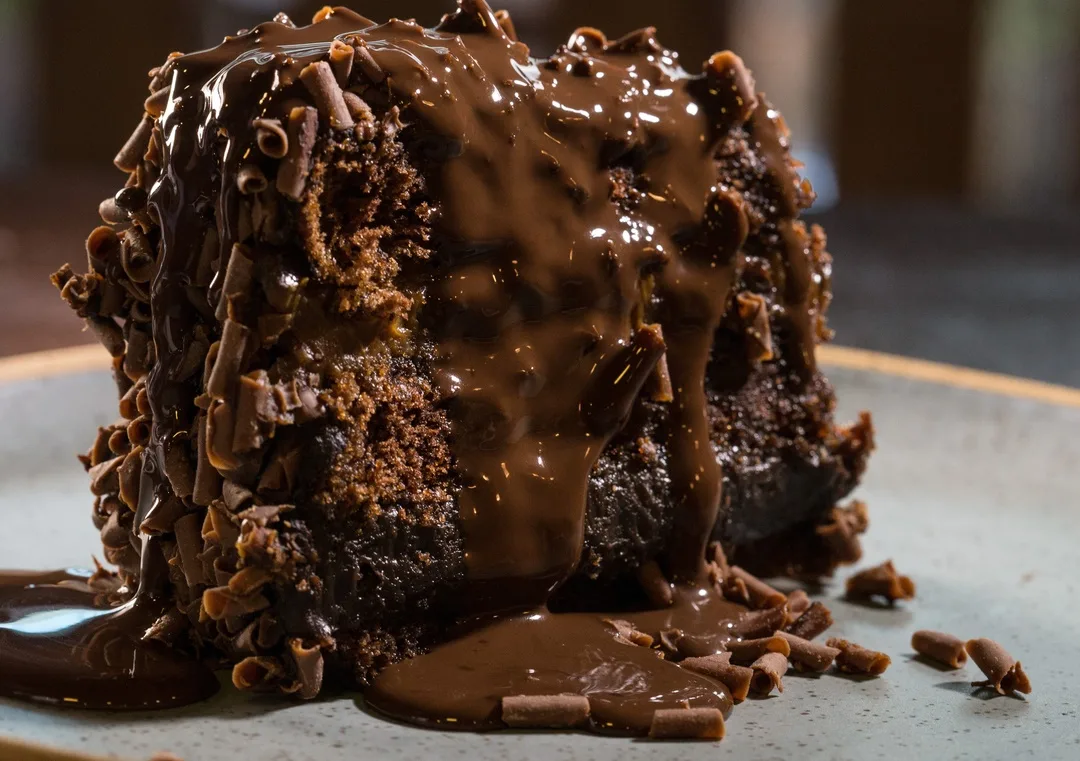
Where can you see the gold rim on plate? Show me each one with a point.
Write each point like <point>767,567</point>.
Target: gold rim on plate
<point>45,364</point>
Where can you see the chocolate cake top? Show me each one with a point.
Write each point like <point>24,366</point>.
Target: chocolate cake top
<point>555,301</point>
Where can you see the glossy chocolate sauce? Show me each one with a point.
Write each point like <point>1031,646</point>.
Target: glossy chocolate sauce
<point>555,307</point>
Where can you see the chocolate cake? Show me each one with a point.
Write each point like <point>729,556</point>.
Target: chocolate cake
<point>412,332</point>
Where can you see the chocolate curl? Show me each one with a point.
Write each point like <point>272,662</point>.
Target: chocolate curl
<point>156,103</point>
<point>220,527</point>
<point>257,673</point>
<point>754,313</point>
<point>768,670</point>
<point>168,627</point>
<point>1003,672</point>
<point>119,442</point>
<point>104,478</point>
<point>178,469</point>
<point>736,678</point>
<point>270,137</point>
<point>230,358</point>
<point>115,534</point>
<point>687,724</point>
<point>940,647</point>
<point>813,622</point>
<point>99,450</point>
<point>880,581</point>
<point>303,128</point>
<point>319,79</point>
<point>108,333</point>
<point>129,475</point>
<point>221,603</point>
<point>163,517</point>
<point>718,561</point>
<point>628,634</point>
<point>367,64</point>
<point>360,111</point>
<point>137,255</point>
<point>809,656</point>
<point>309,668</point>
<point>747,651</point>
<point>248,580</point>
<point>636,41</point>
<point>797,603</point>
<point>130,156</point>
<point>251,180</point>
<point>236,287</point>
<point>742,586</point>
<point>507,25</point>
<point>545,711</point>
<point>856,659</point>
<point>611,394</point>
<point>725,93</point>
<point>220,423</point>
<point>841,533</point>
<point>341,61</point>
<point>322,14</point>
<point>236,496</point>
<point>759,623</point>
<point>586,39</point>
<point>656,587</point>
<point>189,543</point>
<point>102,248</point>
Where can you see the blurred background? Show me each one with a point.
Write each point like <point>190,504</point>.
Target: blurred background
<point>942,136</point>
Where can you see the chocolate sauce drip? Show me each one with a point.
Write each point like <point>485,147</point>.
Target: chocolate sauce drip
<point>61,644</point>
<point>459,685</point>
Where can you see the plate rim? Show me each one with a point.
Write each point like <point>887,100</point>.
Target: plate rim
<point>86,357</point>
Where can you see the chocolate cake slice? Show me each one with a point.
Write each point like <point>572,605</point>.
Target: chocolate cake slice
<point>409,326</point>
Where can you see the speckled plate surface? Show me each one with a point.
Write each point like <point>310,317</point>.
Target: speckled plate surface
<point>974,491</point>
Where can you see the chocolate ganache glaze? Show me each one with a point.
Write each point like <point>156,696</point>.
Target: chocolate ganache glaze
<point>583,252</point>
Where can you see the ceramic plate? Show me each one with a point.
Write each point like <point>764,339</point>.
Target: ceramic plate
<point>973,492</point>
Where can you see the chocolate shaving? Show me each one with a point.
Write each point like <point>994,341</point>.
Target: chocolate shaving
<point>856,659</point>
<point>880,581</point>
<point>100,451</point>
<point>102,249</point>
<point>220,422</point>
<point>108,333</point>
<point>104,478</point>
<point>366,62</point>
<point>749,650</point>
<point>137,359</point>
<point>236,288</point>
<point>156,103</point>
<point>129,475</point>
<point>219,527</point>
<point>138,431</point>
<point>248,580</point>
<point>628,634</point>
<point>816,620</point>
<point>735,678</point>
<point>768,670</point>
<point>303,127</point>
<point>130,156</point>
<point>162,518</point>
<point>137,256</point>
<point>309,668</point>
<point>754,313</point>
<point>168,627</point>
<point>718,561</point>
<point>687,724</point>
<point>506,24</point>
<point>177,468</point>
<point>230,359</point>
<point>797,603</point>
<point>1003,672</point>
<point>189,543</point>
<point>341,61</point>
<point>841,532</point>
<point>258,673</point>
<point>656,587</point>
<point>263,515</point>
<point>270,137</point>
<point>114,534</point>
<point>110,213</point>
<point>545,711</point>
<point>236,496</point>
<point>743,587</point>
<point>222,602</point>
<point>251,180</point>
<point>807,655</point>
<point>760,623</point>
<point>940,647</point>
<point>119,442</point>
<point>319,79</point>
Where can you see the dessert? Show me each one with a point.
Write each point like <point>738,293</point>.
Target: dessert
<point>417,336</point>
